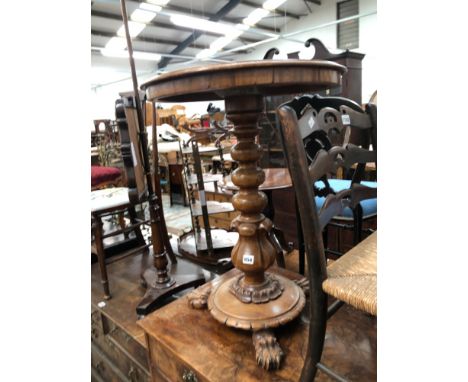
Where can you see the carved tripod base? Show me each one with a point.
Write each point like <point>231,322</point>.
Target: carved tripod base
<point>157,292</point>
<point>259,318</point>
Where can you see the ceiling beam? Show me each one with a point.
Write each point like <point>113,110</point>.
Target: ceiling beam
<point>98,33</point>
<point>318,2</point>
<point>277,11</point>
<point>201,14</point>
<point>153,40</point>
<point>159,24</point>
<point>97,49</point>
<point>195,13</point>
<point>263,29</point>
<point>189,40</point>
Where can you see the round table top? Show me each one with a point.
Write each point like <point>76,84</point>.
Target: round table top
<point>262,77</point>
<point>275,178</point>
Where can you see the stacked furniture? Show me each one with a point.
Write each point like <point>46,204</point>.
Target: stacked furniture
<point>338,239</point>
<point>204,244</point>
<point>253,297</point>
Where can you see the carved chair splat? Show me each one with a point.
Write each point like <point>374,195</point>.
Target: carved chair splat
<point>337,133</point>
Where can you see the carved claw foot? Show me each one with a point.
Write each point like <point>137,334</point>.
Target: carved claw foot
<point>198,298</point>
<point>267,350</point>
<point>303,284</point>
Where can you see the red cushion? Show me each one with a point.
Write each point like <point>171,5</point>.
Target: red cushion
<point>101,174</point>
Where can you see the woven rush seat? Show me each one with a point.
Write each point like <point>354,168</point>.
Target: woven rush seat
<point>353,277</point>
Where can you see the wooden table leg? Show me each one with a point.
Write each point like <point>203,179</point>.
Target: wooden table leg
<point>97,228</point>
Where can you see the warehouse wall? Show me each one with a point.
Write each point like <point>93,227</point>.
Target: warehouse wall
<point>323,14</point>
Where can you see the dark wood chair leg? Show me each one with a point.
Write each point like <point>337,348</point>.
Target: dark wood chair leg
<point>300,242</point>
<point>276,240</point>
<point>317,328</point>
<point>122,224</point>
<point>97,227</point>
<point>133,217</point>
<point>357,231</point>
<point>325,239</point>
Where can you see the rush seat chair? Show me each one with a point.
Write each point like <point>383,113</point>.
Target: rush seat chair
<point>352,278</point>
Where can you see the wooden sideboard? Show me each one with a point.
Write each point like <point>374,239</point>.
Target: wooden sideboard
<point>119,349</point>
<point>115,355</point>
<point>189,345</point>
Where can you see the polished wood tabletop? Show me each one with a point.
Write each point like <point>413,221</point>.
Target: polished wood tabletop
<point>262,77</point>
<point>275,179</point>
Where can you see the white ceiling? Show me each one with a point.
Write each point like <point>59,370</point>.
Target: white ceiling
<point>161,36</point>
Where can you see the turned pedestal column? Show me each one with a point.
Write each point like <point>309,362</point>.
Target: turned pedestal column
<point>256,299</point>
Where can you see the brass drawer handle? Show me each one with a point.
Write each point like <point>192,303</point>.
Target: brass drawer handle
<point>189,376</point>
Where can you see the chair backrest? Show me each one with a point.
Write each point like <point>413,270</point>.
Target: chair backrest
<point>101,125</point>
<point>132,156</point>
<point>309,126</point>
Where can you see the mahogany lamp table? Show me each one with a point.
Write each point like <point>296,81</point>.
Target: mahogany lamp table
<point>254,299</point>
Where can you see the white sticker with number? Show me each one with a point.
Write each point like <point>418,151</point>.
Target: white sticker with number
<point>248,259</point>
<point>345,119</point>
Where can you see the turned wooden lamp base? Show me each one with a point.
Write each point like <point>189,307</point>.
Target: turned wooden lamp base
<point>232,312</point>
<point>260,318</point>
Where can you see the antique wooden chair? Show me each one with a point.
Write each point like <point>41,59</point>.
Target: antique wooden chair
<point>116,201</point>
<point>296,120</point>
<point>322,122</point>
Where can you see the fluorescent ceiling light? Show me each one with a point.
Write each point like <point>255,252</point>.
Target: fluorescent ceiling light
<point>124,54</point>
<point>142,16</point>
<point>233,35</point>
<point>147,56</point>
<point>114,53</point>
<point>116,43</point>
<point>150,7</point>
<point>220,43</point>
<point>238,30</point>
<point>134,29</point>
<point>255,16</point>
<point>205,53</point>
<point>271,5</point>
<point>242,27</point>
<point>158,2</point>
<point>201,24</point>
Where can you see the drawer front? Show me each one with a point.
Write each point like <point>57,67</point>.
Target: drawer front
<point>167,367</point>
<point>114,357</point>
<point>130,346</point>
<point>103,367</point>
